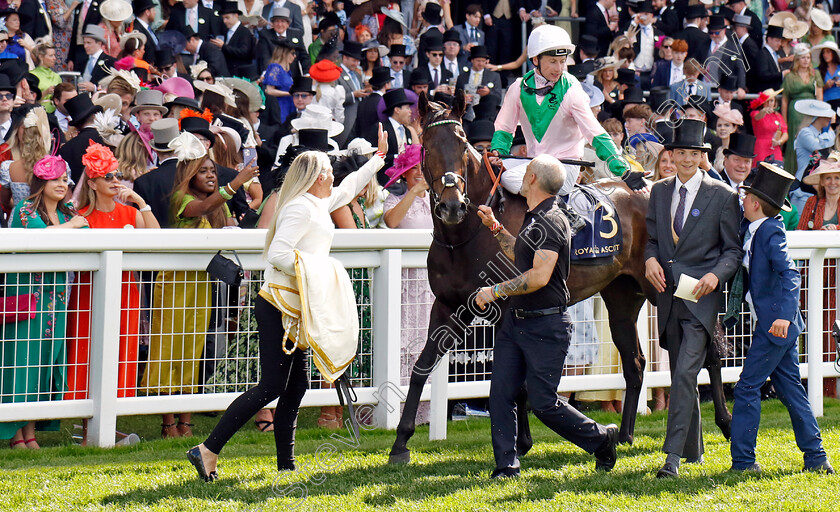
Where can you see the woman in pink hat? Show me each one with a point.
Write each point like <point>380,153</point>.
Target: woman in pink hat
<point>412,210</point>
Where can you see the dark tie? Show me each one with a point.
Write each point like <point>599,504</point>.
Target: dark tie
<point>474,36</point>
<point>436,79</point>
<point>680,213</point>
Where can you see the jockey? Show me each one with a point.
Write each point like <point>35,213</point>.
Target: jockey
<point>553,110</point>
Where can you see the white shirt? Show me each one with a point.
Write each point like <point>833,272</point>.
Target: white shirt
<point>197,48</point>
<point>4,128</point>
<point>774,54</point>
<point>195,10</point>
<point>432,75</point>
<point>63,120</point>
<point>692,186</point>
<point>743,38</point>
<point>305,224</point>
<point>207,3</point>
<point>232,30</point>
<point>676,73</point>
<point>452,66</point>
<point>748,242</point>
<point>85,76</point>
<point>475,77</point>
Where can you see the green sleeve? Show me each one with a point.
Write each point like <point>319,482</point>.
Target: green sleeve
<point>606,151</point>
<point>502,141</point>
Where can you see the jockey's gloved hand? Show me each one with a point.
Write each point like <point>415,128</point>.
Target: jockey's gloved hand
<point>634,179</point>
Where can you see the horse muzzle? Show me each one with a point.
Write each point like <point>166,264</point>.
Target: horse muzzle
<point>451,212</point>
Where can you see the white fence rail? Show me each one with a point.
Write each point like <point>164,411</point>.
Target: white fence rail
<point>109,253</point>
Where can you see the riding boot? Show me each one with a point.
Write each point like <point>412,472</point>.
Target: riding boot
<point>576,222</point>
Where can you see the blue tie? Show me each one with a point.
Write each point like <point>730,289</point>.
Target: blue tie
<point>680,213</point>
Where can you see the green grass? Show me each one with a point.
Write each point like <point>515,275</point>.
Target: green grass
<point>444,475</point>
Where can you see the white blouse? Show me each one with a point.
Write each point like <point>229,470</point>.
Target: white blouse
<point>305,224</point>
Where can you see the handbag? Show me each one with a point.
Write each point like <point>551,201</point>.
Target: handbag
<point>17,308</point>
<point>249,219</point>
<point>225,270</point>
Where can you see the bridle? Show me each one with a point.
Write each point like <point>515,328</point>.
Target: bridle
<point>449,179</point>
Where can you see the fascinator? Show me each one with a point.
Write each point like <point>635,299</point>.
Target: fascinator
<point>50,167</point>
<point>187,147</point>
<point>98,160</point>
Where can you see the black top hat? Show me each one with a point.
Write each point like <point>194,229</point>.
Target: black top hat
<point>588,44</point>
<point>330,20</point>
<point>189,32</point>
<point>6,85</point>
<point>302,84</point>
<point>313,138</point>
<point>182,101</point>
<point>434,41</point>
<point>352,49</point>
<point>646,6</point>
<point>626,76</point>
<point>164,58</point>
<point>478,52</point>
<point>689,135</point>
<point>741,144</point>
<point>728,82</point>
<point>142,5</point>
<point>79,108</point>
<point>418,77</point>
<point>34,85</point>
<point>480,131</point>
<point>395,98</point>
<point>381,75</point>
<point>230,8</point>
<point>15,69</point>
<point>658,96</point>
<point>716,22</point>
<point>775,31</point>
<point>198,125</point>
<point>234,123</point>
<point>397,50</point>
<point>696,11</point>
<point>633,95</point>
<point>432,14</point>
<point>772,184</point>
<point>142,74</point>
<point>451,36</point>
<point>576,70</point>
<point>700,103</point>
<point>730,2</point>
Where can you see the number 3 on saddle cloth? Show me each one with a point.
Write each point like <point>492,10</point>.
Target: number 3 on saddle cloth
<point>598,239</point>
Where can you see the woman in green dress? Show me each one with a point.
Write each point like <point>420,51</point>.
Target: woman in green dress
<point>44,56</point>
<point>32,351</point>
<point>802,83</point>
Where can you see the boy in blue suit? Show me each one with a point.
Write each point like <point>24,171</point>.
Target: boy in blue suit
<point>774,281</point>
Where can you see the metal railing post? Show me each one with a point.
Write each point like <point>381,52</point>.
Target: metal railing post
<point>387,330</point>
<point>105,348</point>
<point>814,345</point>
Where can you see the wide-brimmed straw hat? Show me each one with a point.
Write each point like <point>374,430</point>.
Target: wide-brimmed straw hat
<point>763,96</point>
<point>827,45</point>
<point>821,19</point>
<point>409,158</point>
<point>218,88</point>
<point>608,62</point>
<point>116,10</point>
<point>794,29</point>
<point>828,165</point>
<point>814,108</point>
<point>317,117</point>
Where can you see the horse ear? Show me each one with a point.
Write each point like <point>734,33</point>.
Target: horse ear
<point>460,104</point>
<point>423,105</point>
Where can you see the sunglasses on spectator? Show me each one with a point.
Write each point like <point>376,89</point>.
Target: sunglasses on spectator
<point>482,148</point>
<point>666,46</point>
<point>716,31</point>
<point>4,39</point>
<point>6,96</point>
<point>111,175</point>
<point>436,54</point>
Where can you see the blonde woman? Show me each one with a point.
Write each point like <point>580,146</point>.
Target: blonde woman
<point>803,82</point>
<point>133,159</point>
<point>30,141</point>
<point>44,58</point>
<point>301,223</point>
<point>605,74</point>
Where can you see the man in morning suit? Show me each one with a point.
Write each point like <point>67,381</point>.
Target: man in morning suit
<point>698,41</point>
<point>238,46</point>
<point>487,84</point>
<point>144,16</point>
<point>81,110</point>
<point>740,7</point>
<point>281,30</point>
<point>206,51</point>
<point>34,19</point>
<point>295,16</point>
<point>599,24</point>
<point>773,352</point>
<point>86,13</point>
<point>191,13</point>
<point>398,110</point>
<point>692,226</point>
<point>769,73</point>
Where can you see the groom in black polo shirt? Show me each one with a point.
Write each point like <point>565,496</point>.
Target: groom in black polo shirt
<point>533,340</point>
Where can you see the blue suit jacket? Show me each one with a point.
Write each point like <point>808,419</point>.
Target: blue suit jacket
<point>775,280</point>
<point>679,91</point>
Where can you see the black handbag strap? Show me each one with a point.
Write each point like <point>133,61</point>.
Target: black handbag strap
<point>235,255</point>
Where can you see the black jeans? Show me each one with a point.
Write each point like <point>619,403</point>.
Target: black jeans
<point>281,375</point>
<point>533,351</point>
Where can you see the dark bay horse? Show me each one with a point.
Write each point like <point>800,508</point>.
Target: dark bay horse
<point>465,256</point>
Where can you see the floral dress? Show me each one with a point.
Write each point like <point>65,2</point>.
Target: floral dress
<point>32,352</point>
<point>279,78</point>
<point>61,32</point>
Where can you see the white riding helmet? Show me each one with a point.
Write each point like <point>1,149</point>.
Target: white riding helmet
<point>549,39</point>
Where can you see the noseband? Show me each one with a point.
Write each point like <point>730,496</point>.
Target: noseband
<point>449,179</point>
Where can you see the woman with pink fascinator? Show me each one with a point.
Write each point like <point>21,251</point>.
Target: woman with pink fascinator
<point>32,350</point>
<point>729,121</point>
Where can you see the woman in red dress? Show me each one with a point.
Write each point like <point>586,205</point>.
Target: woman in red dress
<point>769,126</point>
<point>101,188</point>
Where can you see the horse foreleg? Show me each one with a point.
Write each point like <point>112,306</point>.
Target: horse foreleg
<point>444,334</point>
<point>624,300</point>
<point>723,419</point>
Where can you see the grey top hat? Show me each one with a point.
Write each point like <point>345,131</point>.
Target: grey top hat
<point>95,32</point>
<point>740,19</point>
<point>164,131</point>
<point>149,99</point>
<point>281,12</point>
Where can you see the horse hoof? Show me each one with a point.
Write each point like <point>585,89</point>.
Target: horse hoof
<point>400,458</point>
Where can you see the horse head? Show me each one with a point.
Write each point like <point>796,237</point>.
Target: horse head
<point>447,156</point>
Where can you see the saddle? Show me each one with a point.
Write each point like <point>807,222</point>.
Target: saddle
<point>599,240</point>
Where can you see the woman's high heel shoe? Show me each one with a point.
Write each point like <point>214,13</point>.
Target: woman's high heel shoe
<point>194,456</point>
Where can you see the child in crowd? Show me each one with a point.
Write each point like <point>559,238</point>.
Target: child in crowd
<point>773,351</point>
